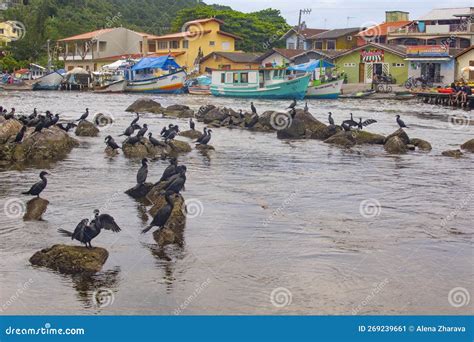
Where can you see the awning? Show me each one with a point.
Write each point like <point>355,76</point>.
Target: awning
<point>311,66</point>
<point>428,59</point>
<point>163,62</point>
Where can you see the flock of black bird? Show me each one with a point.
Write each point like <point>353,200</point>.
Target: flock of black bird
<point>174,175</point>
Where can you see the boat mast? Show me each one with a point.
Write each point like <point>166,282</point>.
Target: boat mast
<point>49,66</point>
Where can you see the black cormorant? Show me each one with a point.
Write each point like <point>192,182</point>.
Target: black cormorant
<point>85,232</point>
<point>351,122</point>
<point>252,107</point>
<point>400,122</point>
<point>129,131</point>
<point>330,119</point>
<point>142,131</point>
<point>134,121</point>
<point>154,141</point>
<point>39,127</point>
<point>205,140</point>
<point>38,188</point>
<point>202,136</point>
<point>170,170</point>
<point>365,123</point>
<point>162,215</point>
<point>192,125</point>
<point>68,126</point>
<point>306,109</point>
<point>293,113</point>
<point>10,115</point>
<point>20,135</point>
<point>111,143</point>
<point>292,105</point>
<point>84,116</point>
<point>177,183</point>
<point>142,173</point>
<point>133,140</point>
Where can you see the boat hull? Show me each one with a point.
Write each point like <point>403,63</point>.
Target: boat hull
<point>329,90</point>
<point>51,81</point>
<point>199,90</point>
<point>291,89</point>
<point>167,84</point>
<point>114,87</point>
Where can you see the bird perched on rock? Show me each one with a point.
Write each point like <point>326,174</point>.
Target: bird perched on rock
<point>33,115</point>
<point>142,173</point>
<point>53,120</point>
<point>252,107</point>
<point>38,188</point>
<point>134,121</point>
<point>155,142</point>
<point>205,139</point>
<point>170,170</point>
<point>20,135</point>
<point>39,127</point>
<point>176,183</point>
<point>293,104</point>
<point>202,136</point>
<point>306,109</point>
<point>293,113</point>
<point>86,232</point>
<point>163,214</point>
<point>142,131</point>
<point>128,131</point>
<point>111,143</point>
<point>10,115</point>
<point>192,125</point>
<point>133,140</point>
<point>351,122</point>
<point>400,122</point>
<point>330,119</point>
<point>68,126</point>
<point>84,116</point>
<point>367,122</point>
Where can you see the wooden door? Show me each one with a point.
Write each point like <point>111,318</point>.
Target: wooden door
<point>471,73</point>
<point>361,72</point>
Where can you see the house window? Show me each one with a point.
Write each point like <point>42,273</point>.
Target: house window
<point>223,78</point>
<point>398,65</point>
<point>2,31</point>
<point>102,46</point>
<point>174,44</point>
<point>185,44</point>
<point>291,46</point>
<point>225,66</point>
<point>331,45</point>
<point>162,45</point>
<point>212,43</point>
<point>151,47</point>
<point>244,77</point>
<point>301,45</point>
<point>318,45</point>
<point>349,65</point>
<point>225,46</point>
<point>236,77</point>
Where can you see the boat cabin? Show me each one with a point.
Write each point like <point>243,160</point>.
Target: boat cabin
<point>250,77</point>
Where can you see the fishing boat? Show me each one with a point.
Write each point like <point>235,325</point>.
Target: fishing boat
<point>51,81</point>
<point>117,86</point>
<point>111,77</point>
<point>267,83</point>
<point>156,75</point>
<point>199,86</point>
<point>322,84</point>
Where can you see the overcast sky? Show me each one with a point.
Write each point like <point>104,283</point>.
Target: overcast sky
<point>342,13</point>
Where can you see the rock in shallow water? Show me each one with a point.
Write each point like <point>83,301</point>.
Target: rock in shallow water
<point>344,139</point>
<point>191,134</point>
<point>400,133</point>
<point>35,209</point>
<point>422,145</point>
<point>145,105</point>
<point>71,259</point>
<point>173,230</point>
<point>139,191</point>
<point>364,137</point>
<point>50,144</point>
<point>453,153</point>
<point>468,146</point>
<point>86,129</point>
<point>302,126</point>
<point>395,145</point>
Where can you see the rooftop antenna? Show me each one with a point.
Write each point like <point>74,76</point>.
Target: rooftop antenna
<point>325,22</point>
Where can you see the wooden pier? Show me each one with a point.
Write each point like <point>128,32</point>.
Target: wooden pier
<point>442,99</point>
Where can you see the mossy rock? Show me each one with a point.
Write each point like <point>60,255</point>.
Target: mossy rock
<point>364,137</point>
<point>86,129</point>
<point>421,144</point>
<point>343,139</point>
<point>173,230</point>
<point>9,129</point>
<point>49,145</point>
<point>139,191</point>
<point>35,208</point>
<point>191,134</point>
<point>109,151</point>
<point>145,105</point>
<point>205,147</point>
<point>468,146</point>
<point>302,126</point>
<point>179,111</point>
<point>71,259</point>
<point>144,149</point>
<point>395,145</point>
<point>453,153</point>
<point>178,146</point>
<point>400,133</point>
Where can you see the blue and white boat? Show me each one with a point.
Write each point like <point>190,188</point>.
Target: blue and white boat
<point>51,81</point>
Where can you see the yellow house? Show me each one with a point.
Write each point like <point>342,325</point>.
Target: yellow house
<point>8,32</point>
<point>197,39</point>
<point>229,60</point>
<point>337,39</point>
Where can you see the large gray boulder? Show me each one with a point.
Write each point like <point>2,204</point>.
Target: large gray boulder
<point>86,129</point>
<point>468,146</point>
<point>179,111</point>
<point>342,139</point>
<point>35,208</point>
<point>146,105</point>
<point>302,126</point>
<point>395,145</point>
<point>400,133</point>
<point>421,144</point>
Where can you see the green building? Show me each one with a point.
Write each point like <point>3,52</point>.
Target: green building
<point>363,63</point>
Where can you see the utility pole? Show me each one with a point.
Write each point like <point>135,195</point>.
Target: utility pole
<point>50,64</point>
<point>302,11</point>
